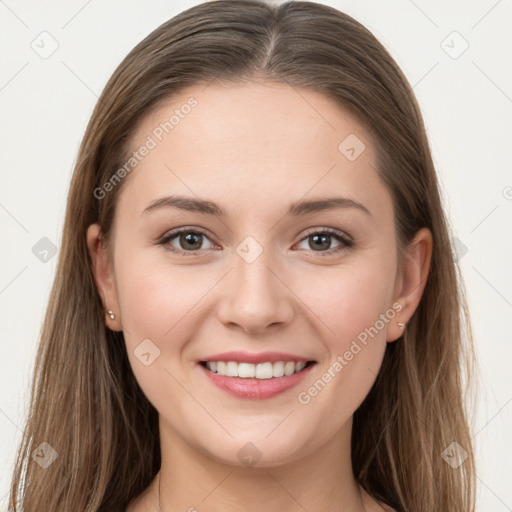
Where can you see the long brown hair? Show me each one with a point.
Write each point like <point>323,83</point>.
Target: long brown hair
<point>85,402</point>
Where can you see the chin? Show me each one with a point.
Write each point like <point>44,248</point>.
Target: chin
<point>257,450</point>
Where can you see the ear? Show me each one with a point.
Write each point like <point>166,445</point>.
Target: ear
<point>411,280</point>
<point>104,276</point>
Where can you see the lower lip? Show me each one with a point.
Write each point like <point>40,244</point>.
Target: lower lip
<point>257,389</point>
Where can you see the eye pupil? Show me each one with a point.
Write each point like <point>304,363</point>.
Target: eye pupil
<point>192,239</point>
<point>320,242</point>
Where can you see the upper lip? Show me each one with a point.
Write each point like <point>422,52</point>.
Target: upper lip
<point>255,358</point>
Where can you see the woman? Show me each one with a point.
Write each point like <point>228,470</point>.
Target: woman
<point>256,303</point>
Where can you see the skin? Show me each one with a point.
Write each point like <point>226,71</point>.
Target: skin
<point>254,149</point>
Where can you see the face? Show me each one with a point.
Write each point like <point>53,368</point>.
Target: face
<point>261,270</point>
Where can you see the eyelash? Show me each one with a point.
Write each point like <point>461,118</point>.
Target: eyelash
<point>346,243</point>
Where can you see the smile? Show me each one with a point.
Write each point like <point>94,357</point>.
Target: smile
<point>265,370</point>
<point>255,376</point>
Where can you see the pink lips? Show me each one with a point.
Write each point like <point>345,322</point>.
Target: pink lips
<point>255,388</point>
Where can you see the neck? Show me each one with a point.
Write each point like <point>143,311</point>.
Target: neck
<point>189,480</point>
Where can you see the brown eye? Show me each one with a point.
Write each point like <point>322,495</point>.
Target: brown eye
<point>192,241</point>
<point>322,241</point>
<point>188,241</point>
<point>319,242</point>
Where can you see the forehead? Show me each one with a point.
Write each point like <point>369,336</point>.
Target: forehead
<point>249,145</point>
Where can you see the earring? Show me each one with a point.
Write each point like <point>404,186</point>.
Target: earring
<point>401,325</point>
<point>111,314</point>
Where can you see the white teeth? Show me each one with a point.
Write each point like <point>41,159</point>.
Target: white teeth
<point>258,371</point>
<point>289,368</point>
<point>246,370</point>
<point>278,369</point>
<point>231,369</point>
<point>299,366</point>
<point>264,371</point>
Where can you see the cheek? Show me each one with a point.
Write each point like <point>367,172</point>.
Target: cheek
<point>348,299</point>
<point>160,308</point>
<point>162,304</point>
<point>155,300</point>
<point>353,306</point>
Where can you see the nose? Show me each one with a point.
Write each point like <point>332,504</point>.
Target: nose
<point>255,297</point>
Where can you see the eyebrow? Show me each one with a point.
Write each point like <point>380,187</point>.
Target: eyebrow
<point>299,209</point>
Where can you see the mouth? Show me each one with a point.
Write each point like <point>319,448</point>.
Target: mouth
<point>261,371</point>
<point>257,380</point>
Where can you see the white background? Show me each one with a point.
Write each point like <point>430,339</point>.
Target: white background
<point>466,102</point>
